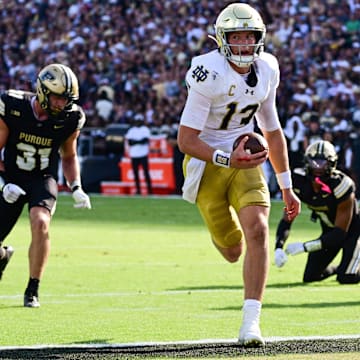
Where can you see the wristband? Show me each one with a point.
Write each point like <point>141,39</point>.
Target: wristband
<point>284,180</point>
<point>221,158</point>
<point>76,184</point>
<point>2,180</point>
<point>313,245</point>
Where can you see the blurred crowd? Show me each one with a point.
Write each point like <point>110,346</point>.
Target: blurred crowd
<point>131,58</point>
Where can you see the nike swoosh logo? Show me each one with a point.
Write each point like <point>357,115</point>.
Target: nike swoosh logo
<point>58,126</point>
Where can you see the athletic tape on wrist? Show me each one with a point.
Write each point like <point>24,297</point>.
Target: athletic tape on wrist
<point>313,245</point>
<point>76,184</point>
<point>221,158</point>
<point>284,180</point>
<point>2,180</point>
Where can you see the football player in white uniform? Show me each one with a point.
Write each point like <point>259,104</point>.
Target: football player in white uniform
<point>227,89</point>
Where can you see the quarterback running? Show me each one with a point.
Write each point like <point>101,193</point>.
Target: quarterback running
<point>229,89</point>
<point>36,131</point>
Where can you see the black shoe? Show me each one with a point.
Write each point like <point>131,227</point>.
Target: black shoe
<point>31,301</point>
<point>4,261</point>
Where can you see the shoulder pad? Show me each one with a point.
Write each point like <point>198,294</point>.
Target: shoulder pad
<point>82,118</point>
<point>299,171</point>
<point>13,99</point>
<point>345,185</point>
<point>270,65</point>
<point>2,104</point>
<point>77,113</point>
<point>270,59</point>
<point>202,76</point>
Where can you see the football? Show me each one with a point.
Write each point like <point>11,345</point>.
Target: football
<point>255,143</point>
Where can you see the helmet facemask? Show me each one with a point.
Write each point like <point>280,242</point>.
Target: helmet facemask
<point>320,160</point>
<point>318,167</point>
<point>235,18</point>
<point>239,59</point>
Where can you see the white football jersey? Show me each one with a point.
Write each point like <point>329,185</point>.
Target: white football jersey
<point>229,101</point>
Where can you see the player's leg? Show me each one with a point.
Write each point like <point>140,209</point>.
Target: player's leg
<point>254,221</point>
<point>135,166</point>
<point>42,206</point>
<point>219,217</point>
<point>318,266</point>
<point>250,197</point>
<point>40,244</point>
<point>226,234</point>
<point>349,268</point>
<point>9,215</point>
<point>221,191</point>
<point>39,251</point>
<point>145,165</point>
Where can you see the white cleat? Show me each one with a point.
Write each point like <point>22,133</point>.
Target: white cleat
<point>250,335</point>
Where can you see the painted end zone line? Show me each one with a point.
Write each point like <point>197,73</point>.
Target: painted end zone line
<point>171,343</point>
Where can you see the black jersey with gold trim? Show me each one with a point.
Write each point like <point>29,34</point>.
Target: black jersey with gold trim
<point>324,204</point>
<point>33,146</point>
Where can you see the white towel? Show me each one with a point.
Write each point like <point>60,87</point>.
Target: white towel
<point>194,171</point>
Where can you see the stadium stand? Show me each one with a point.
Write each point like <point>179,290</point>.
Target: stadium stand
<point>137,52</point>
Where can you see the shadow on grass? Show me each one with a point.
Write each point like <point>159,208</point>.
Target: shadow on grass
<point>270,305</point>
<point>233,287</point>
<point>103,342</point>
<point>320,305</point>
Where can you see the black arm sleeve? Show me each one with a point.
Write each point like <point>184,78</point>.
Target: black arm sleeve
<point>282,233</point>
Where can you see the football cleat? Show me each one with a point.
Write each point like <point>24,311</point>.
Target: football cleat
<point>4,261</point>
<point>250,335</point>
<point>31,301</point>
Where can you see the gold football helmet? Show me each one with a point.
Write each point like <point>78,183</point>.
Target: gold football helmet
<point>56,79</point>
<point>239,17</point>
<point>320,158</point>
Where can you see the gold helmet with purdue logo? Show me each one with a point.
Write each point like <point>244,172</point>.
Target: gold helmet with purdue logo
<point>320,159</point>
<point>59,80</point>
<point>239,17</point>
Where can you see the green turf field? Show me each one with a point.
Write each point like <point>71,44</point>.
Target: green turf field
<point>144,270</point>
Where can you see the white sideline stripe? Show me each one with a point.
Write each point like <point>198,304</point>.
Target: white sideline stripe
<point>185,342</point>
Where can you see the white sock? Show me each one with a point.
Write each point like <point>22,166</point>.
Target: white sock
<point>251,310</point>
<point>252,304</point>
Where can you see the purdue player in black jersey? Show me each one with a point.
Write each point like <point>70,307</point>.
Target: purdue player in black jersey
<point>330,194</point>
<point>35,129</point>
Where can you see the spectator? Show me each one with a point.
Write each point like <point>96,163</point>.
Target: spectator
<point>294,132</point>
<point>104,109</point>
<point>178,158</point>
<point>138,147</point>
<point>122,41</point>
<point>314,132</point>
